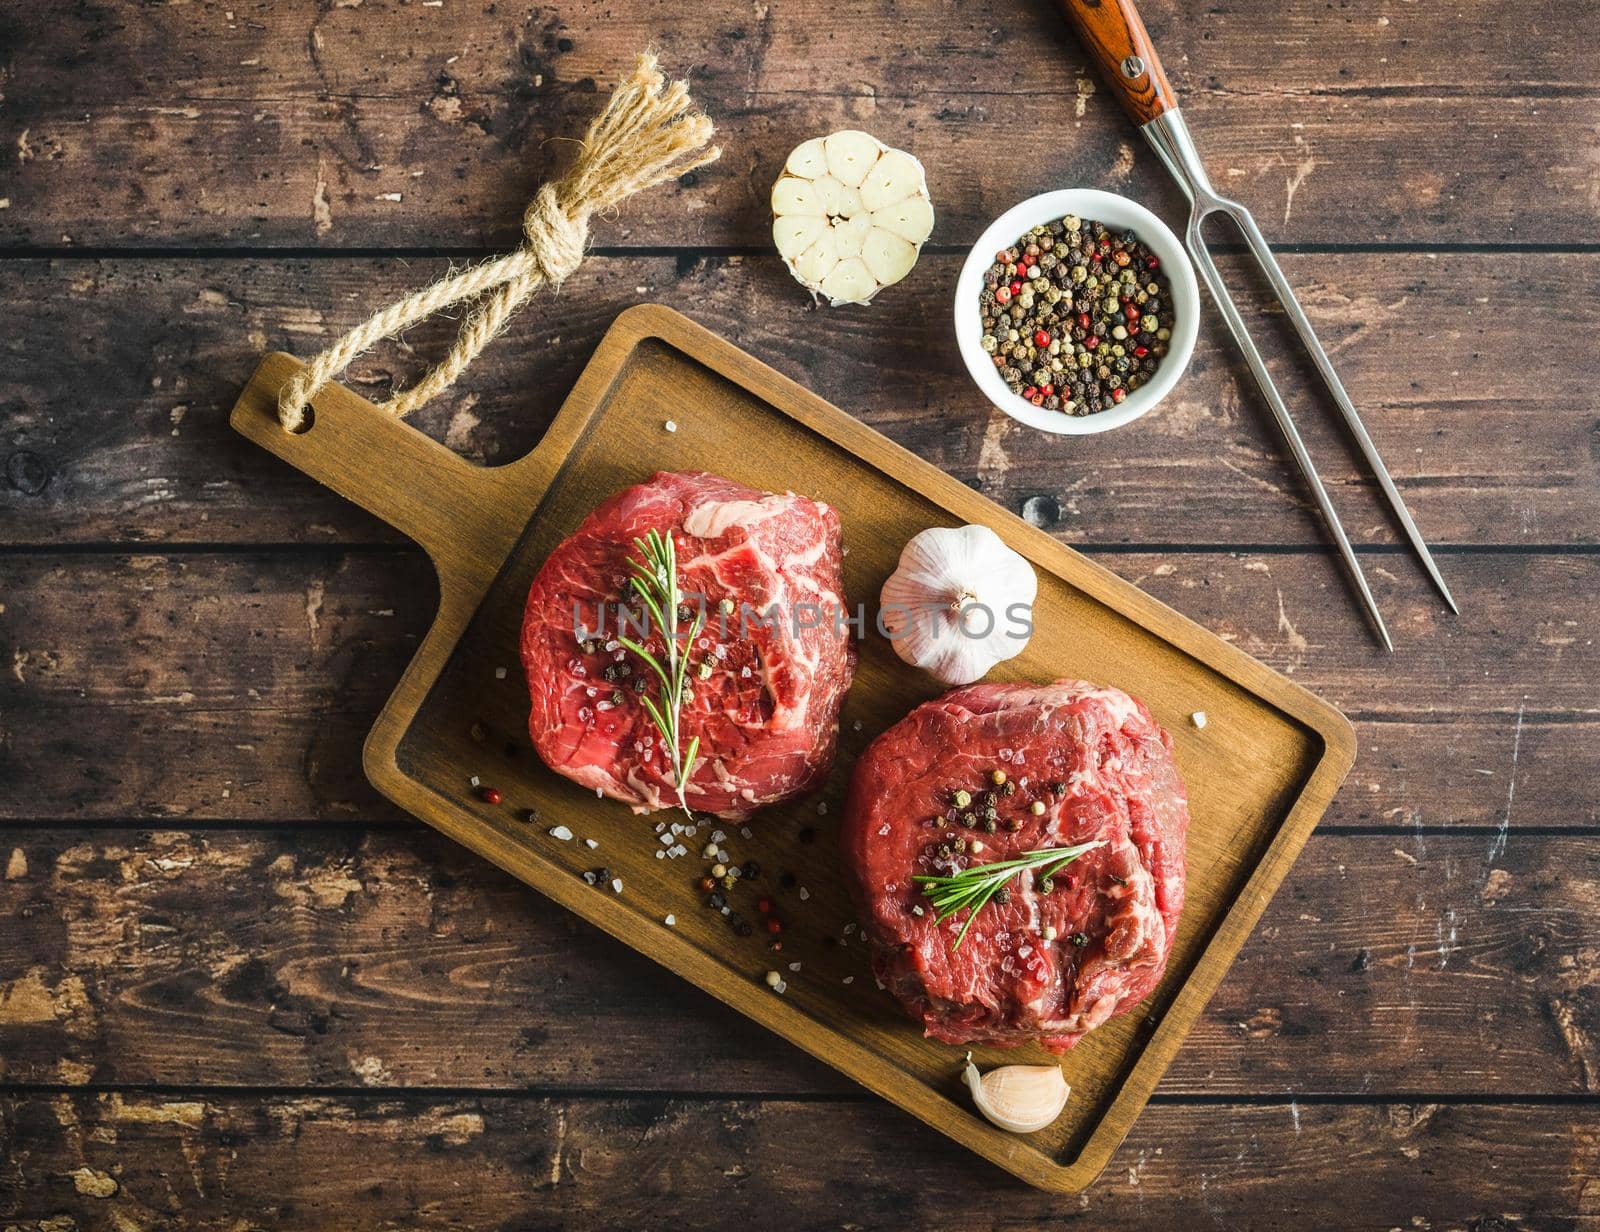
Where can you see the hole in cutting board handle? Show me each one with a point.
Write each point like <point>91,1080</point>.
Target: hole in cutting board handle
<point>309,422</point>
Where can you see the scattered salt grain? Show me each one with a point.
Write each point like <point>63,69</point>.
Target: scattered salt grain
<point>849,979</point>
<point>562,833</point>
<point>671,425</point>
<point>856,726</point>
<point>1198,718</point>
<point>848,929</point>
<point>671,921</point>
<point>475,780</point>
<point>616,885</point>
<point>499,673</point>
<point>665,839</point>
<point>822,809</point>
<point>747,832</point>
<point>717,836</point>
<point>590,843</point>
<point>794,966</point>
<point>660,855</point>
<point>804,894</point>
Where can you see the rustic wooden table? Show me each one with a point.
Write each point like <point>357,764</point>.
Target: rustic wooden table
<point>238,989</point>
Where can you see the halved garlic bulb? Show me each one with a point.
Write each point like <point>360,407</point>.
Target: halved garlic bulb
<point>959,602</point>
<point>849,215</point>
<point>1020,1098</point>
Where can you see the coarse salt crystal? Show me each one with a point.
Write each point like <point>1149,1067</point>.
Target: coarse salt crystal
<point>794,966</point>
<point>1198,718</point>
<point>671,921</point>
<point>499,673</point>
<point>562,833</point>
<point>822,809</point>
<point>671,425</point>
<point>590,843</point>
<point>474,780</point>
<point>747,831</point>
<point>883,830</point>
<point>804,894</point>
<point>660,854</point>
<point>717,836</point>
<point>848,929</point>
<point>849,979</point>
<point>616,885</point>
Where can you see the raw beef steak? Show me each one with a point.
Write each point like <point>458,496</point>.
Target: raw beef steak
<point>1103,770</point>
<point>766,692</point>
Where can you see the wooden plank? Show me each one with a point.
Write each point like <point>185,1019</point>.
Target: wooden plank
<point>381,1161</point>
<point>117,373</point>
<point>258,675</point>
<point>114,114</point>
<point>304,957</point>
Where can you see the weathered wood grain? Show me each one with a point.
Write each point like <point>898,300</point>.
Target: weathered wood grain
<point>394,123</point>
<point>240,686</point>
<point>117,376</point>
<point>380,1161</point>
<point>1448,964</point>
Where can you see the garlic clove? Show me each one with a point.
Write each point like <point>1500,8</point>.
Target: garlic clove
<point>794,233</point>
<point>1020,1098</point>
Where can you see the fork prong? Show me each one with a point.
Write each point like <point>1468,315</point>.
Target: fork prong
<point>1241,335</point>
<point>1330,378</point>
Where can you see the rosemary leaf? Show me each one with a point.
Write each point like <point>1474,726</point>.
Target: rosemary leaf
<point>973,887</point>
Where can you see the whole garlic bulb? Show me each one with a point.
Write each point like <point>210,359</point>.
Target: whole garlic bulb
<point>952,605</point>
<point>1019,1098</point>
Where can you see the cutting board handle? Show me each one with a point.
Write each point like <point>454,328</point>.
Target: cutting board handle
<point>454,509</point>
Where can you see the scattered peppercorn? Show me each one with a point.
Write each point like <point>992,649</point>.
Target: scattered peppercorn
<point>1068,292</point>
<point>1079,940</point>
<point>491,795</point>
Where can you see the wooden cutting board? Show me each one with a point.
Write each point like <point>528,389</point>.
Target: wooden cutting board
<point>1259,774</point>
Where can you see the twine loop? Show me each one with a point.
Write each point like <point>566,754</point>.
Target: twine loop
<point>647,134</point>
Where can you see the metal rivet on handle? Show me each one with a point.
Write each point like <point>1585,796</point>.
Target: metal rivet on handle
<point>1132,67</point>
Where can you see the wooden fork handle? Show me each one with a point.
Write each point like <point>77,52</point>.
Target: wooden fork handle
<point>1121,49</point>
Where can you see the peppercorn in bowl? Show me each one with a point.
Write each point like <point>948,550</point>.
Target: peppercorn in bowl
<point>1076,311</point>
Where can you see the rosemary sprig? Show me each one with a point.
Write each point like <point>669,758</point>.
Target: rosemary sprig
<point>655,581</point>
<point>973,887</point>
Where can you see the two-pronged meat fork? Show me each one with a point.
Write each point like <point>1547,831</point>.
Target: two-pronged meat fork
<point>1116,38</point>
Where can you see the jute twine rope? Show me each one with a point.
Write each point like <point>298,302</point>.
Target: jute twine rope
<point>646,135</point>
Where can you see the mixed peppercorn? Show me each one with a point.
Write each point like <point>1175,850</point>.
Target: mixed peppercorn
<point>1075,316</point>
<point>983,811</point>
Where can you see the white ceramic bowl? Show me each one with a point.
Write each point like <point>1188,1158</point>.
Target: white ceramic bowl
<point>1122,215</point>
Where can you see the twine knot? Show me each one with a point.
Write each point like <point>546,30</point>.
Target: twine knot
<point>648,133</point>
<point>555,241</point>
